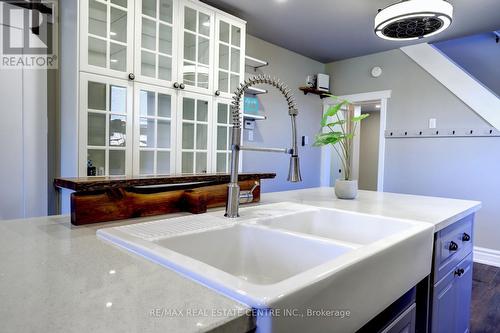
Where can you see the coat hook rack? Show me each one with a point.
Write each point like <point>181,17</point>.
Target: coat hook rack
<point>442,133</point>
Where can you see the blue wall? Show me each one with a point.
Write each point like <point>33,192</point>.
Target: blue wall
<point>479,55</point>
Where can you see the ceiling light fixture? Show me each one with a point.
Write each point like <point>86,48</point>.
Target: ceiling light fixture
<point>413,19</point>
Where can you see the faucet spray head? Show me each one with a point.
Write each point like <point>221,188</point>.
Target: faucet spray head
<point>294,175</point>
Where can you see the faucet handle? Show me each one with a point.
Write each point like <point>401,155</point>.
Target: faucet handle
<point>247,196</point>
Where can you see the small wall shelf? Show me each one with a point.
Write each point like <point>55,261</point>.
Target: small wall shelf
<point>255,91</point>
<point>254,116</point>
<point>255,63</point>
<point>309,90</point>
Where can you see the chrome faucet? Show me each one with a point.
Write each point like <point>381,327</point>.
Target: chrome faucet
<point>234,198</point>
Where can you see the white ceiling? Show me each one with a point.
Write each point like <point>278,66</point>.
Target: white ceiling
<point>328,30</point>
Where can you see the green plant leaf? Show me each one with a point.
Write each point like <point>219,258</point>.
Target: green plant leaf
<point>332,111</point>
<point>335,123</point>
<point>361,117</point>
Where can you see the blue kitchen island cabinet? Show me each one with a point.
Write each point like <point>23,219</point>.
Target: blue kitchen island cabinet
<point>451,279</point>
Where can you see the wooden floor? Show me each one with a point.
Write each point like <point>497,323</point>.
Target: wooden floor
<point>485,312</point>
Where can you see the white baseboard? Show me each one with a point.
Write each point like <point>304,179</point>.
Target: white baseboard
<point>487,256</point>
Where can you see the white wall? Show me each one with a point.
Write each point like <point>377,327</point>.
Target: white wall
<point>465,168</point>
<point>23,138</point>
<point>368,154</point>
<point>292,69</point>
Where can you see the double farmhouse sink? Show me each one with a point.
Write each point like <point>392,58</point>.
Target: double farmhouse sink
<point>301,268</point>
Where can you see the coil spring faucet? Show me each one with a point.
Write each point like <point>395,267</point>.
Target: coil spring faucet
<point>233,192</point>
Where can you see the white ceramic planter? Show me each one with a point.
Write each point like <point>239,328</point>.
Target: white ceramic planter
<point>346,189</point>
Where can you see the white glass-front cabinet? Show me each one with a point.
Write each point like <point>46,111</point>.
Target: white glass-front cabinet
<point>105,136</point>
<point>156,77</point>
<point>230,55</point>
<point>106,37</point>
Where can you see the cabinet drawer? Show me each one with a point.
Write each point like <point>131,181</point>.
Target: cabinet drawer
<point>452,245</point>
<point>405,323</point>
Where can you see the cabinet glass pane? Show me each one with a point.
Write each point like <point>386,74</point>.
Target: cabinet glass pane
<point>187,136</point>
<point>117,131</point>
<point>96,162</point>
<point>201,162</point>
<point>148,65</point>
<point>164,134</point>
<point>235,60</point>
<point>96,129</point>
<point>97,18</point>
<point>118,60</point>
<point>202,110</point>
<point>189,19</point>
<point>201,136</point>
<point>235,36</point>
<point>96,96</point>
<point>204,27</point>
<point>235,81</point>
<point>146,161</point>
<point>164,105</point>
<point>221,162</point>
<point>189,46</point>
<point>149,34</point>
<point>116,162</point>
<point>118,99</point>
<point>122,3</point>
<point>187,162</point>
<point>221,138</point>
<point>118,29</point>
<point>189,74</point>
<point>202,77</point>
<point>223,81</point>
<point>165,39</point>
<point>165,68</point>
<point>97,52</point>
<point>224,56</point>
<point>147,103</point>
<point>222,113</point>
<point>224,32</point>
<point>147,135</point>
<point>203,50</point>
<point>188,109</point>
<point>149,7</point>
<point>163,163</point>
<point>166,10</point>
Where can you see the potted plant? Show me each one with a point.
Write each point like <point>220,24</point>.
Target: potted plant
<point>339,133</point>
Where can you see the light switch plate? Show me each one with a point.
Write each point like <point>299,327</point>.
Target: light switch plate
<point>432,123</point>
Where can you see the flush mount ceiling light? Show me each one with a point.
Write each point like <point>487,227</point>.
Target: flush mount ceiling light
<point>413,19</point>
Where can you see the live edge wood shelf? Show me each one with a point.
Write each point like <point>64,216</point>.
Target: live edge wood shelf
<point>103,199</point>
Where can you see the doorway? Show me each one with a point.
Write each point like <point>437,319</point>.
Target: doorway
<point>368,154</point>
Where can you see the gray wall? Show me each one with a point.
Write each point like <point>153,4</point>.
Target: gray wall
<point>368,153</point>
<point>478,55</point>
<point>450,167</point>
<point>293,69</point>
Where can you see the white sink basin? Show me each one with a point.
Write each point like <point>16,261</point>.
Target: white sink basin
<point>338,225</point>
<point>291,259</point>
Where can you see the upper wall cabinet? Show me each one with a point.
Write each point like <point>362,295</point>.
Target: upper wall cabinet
<point>156,26</point>
<point>106,37</point>
<point>230,55</point>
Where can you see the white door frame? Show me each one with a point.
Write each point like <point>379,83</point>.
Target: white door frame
<point>326,151</point>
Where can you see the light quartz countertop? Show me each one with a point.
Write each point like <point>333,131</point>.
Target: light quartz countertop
<point>55,277</point>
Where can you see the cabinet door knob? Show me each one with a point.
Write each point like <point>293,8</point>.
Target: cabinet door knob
<point>176,85</point>
<point>182,86</point>
<point>453,246</point>
<point>131,76</point>
<point>465,237</point>
<point>217,93</point>
<point>459,272</point>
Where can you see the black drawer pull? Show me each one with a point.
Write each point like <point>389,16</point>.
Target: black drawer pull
<point>459,272</point>
<point>465,237</point>
<point>453,246</point>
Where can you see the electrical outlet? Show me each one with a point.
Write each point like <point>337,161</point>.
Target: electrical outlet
<point>250,135</point>
<point>432,123</point>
